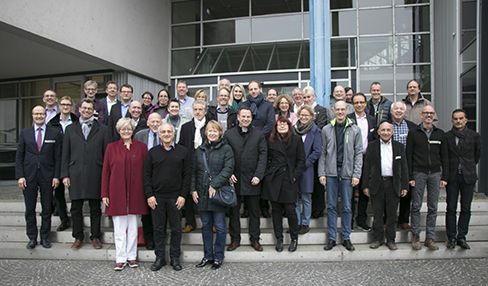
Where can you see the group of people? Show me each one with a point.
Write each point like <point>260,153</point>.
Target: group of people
<point>153,161</point>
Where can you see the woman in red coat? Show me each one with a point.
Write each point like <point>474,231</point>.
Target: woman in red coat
<point>122,191</point>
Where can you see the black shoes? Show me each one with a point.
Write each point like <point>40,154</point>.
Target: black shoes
<point>265,213</point>
<point>63,226</point>
<point>348,245</point>
<point>293,245</point>
<point>279,245</point>
<point>364,227</point>
<point>245,214</point>
<point>46,243</point>
<point>304,229</point>
<point>451,244</point>
<point>463,244</point>
<point>330,244</point>
<point>204,263</point>
<point>216,265</point>
<point>317,214</point>
<point>175,262</point>
<point>158,264</point>
<point>150,245</point>
<point>31,244</point>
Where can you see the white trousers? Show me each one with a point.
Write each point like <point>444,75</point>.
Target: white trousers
<point>125,236</point>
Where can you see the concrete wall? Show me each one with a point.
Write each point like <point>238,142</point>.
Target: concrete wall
<point>141,44</point>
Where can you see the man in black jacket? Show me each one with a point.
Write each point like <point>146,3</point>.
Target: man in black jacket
<point>427,157</point>
<point>167,179</point>
<point>250,155</point>
<point>120,110</point>
<point>385,180</point>
<point>464,154</point>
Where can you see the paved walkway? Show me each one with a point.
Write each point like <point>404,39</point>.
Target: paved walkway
<point>419,272</point>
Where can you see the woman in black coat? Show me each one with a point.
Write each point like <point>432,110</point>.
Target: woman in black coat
<point>286,159</point>
<point>204,185</point>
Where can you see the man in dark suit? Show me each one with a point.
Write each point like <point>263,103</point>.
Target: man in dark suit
<point>367,124</point>
<point>61,121</point>
<point>150,137</point>
<point>84,146</point>
<point>90,88</point>
<point>192,135</point>
<point>385,180</point>
<point>464,146</point>
<point>109,100</point>
<point>37,167</point>
<point>135,113</point>
<point>120,110</point>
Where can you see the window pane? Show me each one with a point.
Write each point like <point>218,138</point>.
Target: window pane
<point>182,62</point>
<point>185,11</point>
<point>8,90</point>
<point>344,23</point>
<point>69,88</point>
<point>186,36</point>
<point>285,56</point>
<point>27,105</point>
<point>412,19</point>
<point>210,56</point>
<point>230,60</point>
<point>377,21</point>
<point>381,74</point>
<point>374,3</point>
<point>257,58</point>
<point>243,30</point>
<point>339,52</point>
<point>218,9</point>
<point>413,49</point>
<point>305,56</point>
<point>260,7</point>
<point>468,81</point>
<point>341,74</point>
<point>219,33</point>
<point>274,28</point>
<point>8,124</point>
<point>375,50</point>
<point>341,4</point>
<point>34,88</point>
<point>406,73</point>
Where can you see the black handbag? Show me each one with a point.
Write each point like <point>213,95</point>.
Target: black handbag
<point>225,195</point>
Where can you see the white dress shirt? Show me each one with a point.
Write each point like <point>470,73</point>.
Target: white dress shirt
<point>386,149</point>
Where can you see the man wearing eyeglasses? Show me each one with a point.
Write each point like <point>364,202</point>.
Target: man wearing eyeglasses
<point>90,88</point>
<point>427,153</point>
<point>120,110</point>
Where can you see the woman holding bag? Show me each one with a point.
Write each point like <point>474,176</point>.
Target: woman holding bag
<point>216,156</point>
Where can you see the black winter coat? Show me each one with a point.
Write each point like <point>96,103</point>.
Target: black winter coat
<point>466,154</point>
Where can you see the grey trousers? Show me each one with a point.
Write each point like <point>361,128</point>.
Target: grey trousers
<point>432,182</point>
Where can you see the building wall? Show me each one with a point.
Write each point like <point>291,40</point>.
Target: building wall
<point>130,34</point>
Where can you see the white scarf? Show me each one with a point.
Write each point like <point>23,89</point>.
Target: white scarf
<point>198,136</point>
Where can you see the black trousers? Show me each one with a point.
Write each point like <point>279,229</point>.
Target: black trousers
<point>60,203</point>
<point>77,218</point>
<point>190,211</point>
<point>318,198</point>
<point>30,200</point>
<point>166,211</point>
<point>458,187</point>
<point>405,202</point>
<point>385,200</point>
<point>147,228</point>
<point>253,207</point>
<point>362,215</point>
<point>277,210</point>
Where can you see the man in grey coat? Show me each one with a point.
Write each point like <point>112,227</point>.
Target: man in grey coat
<point>81,169</point>
<point>339,171</point>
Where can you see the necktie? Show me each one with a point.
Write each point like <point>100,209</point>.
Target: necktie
<point>155,140</point>
<point>39,139</point>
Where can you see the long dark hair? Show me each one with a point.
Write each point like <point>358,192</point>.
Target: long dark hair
<point>275,135</point>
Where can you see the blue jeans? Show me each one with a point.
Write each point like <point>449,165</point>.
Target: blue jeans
<point>213,219</point>
<point>432,182</point>
<point>304,208</point>
<point>334,187</point>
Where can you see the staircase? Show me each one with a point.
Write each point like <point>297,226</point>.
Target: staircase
<point>310,246</point>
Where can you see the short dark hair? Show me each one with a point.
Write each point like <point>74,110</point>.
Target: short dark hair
<point>418,83</point>
<point>374,83</point>
<point>109,83</point>
<point>359,94</point>
<point>126,85</point>
<point>88,100</point>
<point>244,108</point>
<point>150,94</point>
<point>174,100</point>
<point>182,81</point>
<point>458,110</point>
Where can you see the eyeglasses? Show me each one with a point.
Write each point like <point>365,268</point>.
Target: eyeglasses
<point>65,104</point>
<point>91,89</point>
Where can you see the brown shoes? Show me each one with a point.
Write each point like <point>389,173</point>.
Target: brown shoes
<point>404,226</point>
<point>256,245</point>
<point>76,244</point>
<point>187,229</point>
<point>391,245</point>
<point>97,244</point>
<point>376,244</point>
<point>430,243</point>
<point>233,245</point>
<point>416,242</point>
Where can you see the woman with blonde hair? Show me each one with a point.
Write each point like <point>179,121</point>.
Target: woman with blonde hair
<point>237,96</point>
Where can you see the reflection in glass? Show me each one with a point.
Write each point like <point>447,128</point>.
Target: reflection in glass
<point>340,74</point>
<point>185,11</point>
<point>376,50</point>
<point>412,19</point>
<point>374,3</point>
<point>219,32</point>
<point>344,23</point>
<point>186,36</point>
<point>182,61</point>
<point>375,21</point>
<point>418,72</point>
<point>413,49</point>
<point>339,52</point>
<point>468,81</point>
<point>341,4</point>
<point>257,58</point>
<point>285,56</point>
<point>8,90</point>
<point>305,56</point>
<point>34,88</point>
<point>260,7</point>
<point>8,124</point>
<point>209,57</point>
<point>70,88</point>
<point>218,9</point>
<point>382,74</point>
<point>274,28</point>
<point>230,60</point>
